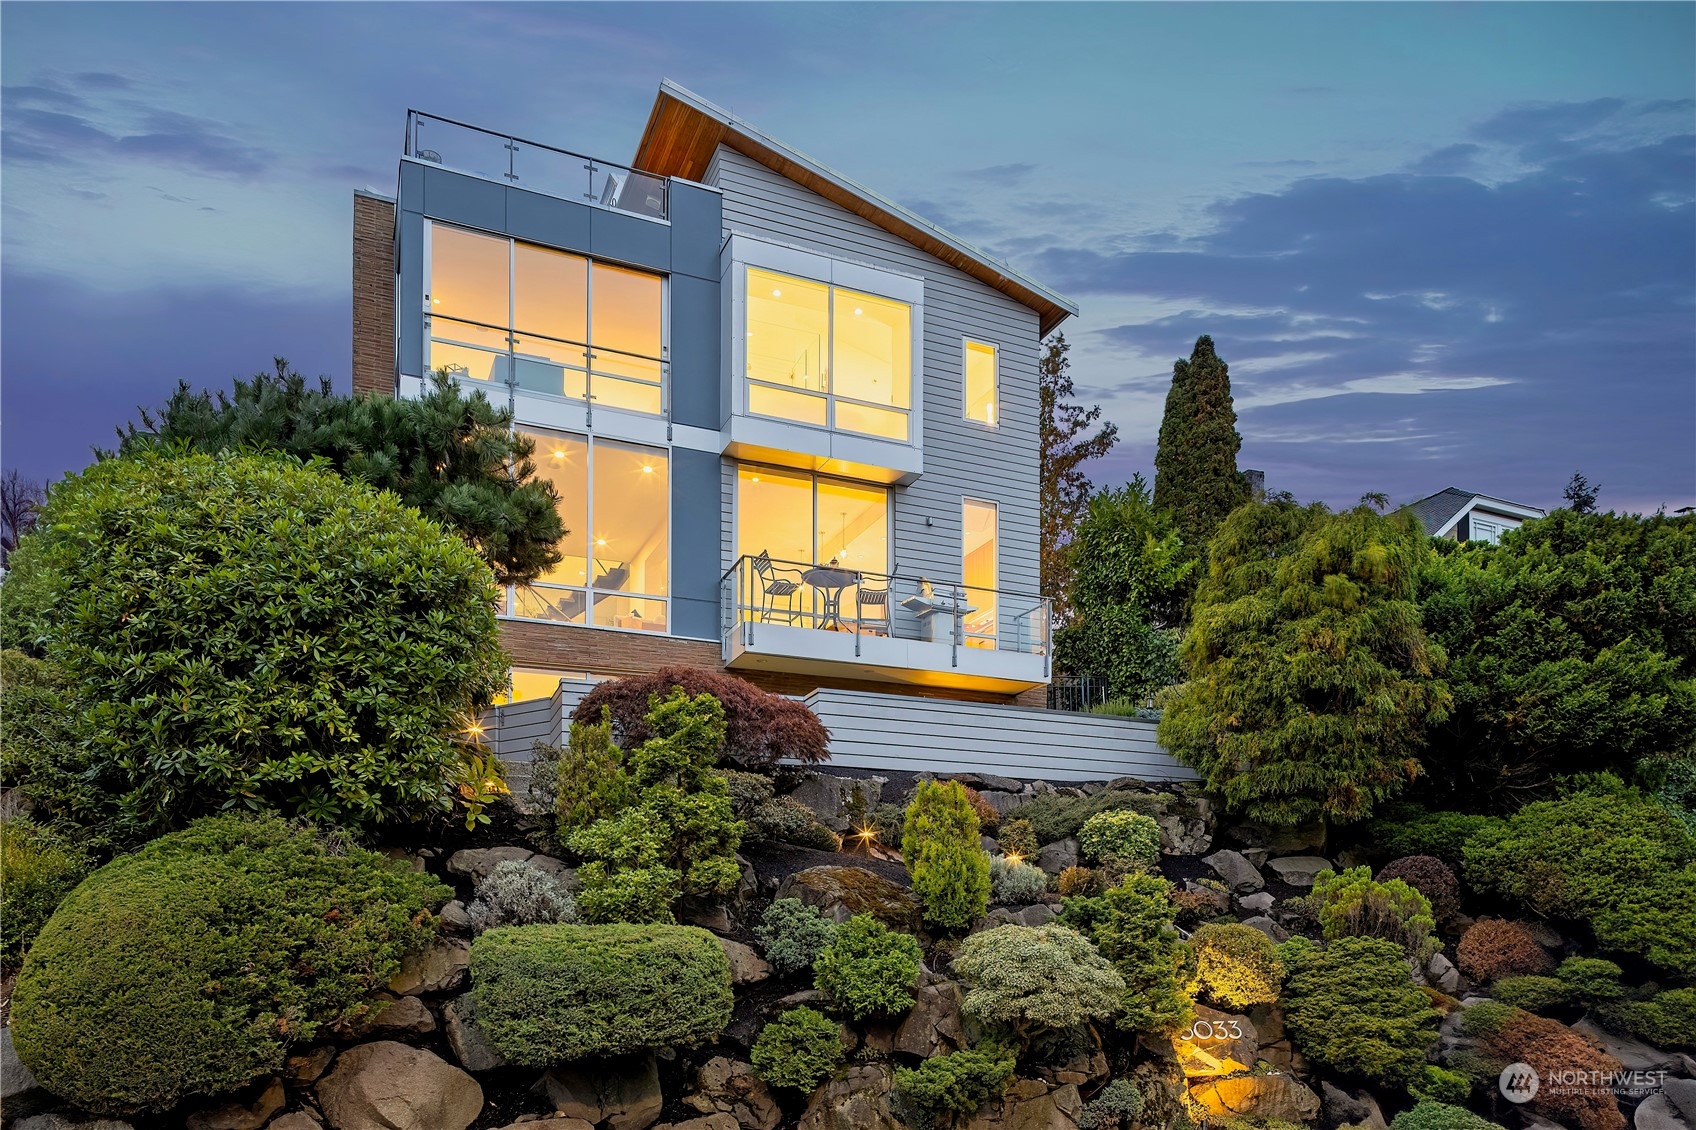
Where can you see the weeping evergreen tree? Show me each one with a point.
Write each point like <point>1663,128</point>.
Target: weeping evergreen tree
<point>1310,680</point>
<point>1195,466</point>
<point>454,458</point>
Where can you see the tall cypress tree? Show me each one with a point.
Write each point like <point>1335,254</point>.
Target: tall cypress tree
<point>1195,466</point>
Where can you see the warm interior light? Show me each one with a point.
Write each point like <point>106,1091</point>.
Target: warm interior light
<point>857,311</point>
<point>559,455</point>
<point>777,294</point>
<point>600,541</point>
<point>646,470</point>
<point>756,478</point>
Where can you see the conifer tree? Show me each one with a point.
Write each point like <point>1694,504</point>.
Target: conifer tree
<point>1195,466</point>
<point>1065,489</point>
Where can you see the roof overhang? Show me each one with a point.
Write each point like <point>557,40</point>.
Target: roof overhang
<point>684,130</point>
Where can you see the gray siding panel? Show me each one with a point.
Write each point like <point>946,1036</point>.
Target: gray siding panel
<point>465,200</point>
<point>962,459</point>
<point>628,239</point>
<point>695,319</point>
<point>409,289</point>
<point>547,220</point>
<point>694,529</point>
<point>878,731</point>
<point>696,223</point>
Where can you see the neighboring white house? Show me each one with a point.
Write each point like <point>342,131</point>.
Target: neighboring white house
<point>1466,516</point>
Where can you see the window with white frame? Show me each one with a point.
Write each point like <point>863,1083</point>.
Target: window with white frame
<point>982,382</point>
<point>546,321</point>
<point>615,504</point>
<point>828,356</point>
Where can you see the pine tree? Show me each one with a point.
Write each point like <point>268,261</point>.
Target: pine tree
<point>452,457</point>
<point>1195,466</point>
<point>1065,489</point>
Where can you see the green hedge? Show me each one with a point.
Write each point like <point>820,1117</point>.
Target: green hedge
<point>189,967</point>
<point>251,630</point>
<point>38,868</point>
<point>799,1049</point>
<point>551,993</point>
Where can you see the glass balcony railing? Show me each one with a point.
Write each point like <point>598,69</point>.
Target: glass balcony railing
<point>532,165</point>
<point>761,590</point>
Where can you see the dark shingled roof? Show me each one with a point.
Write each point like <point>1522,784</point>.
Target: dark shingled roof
<point>1436,511</point>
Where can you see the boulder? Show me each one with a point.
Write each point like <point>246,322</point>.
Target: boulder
<point>1030,1104</point>
<point>1344,1109</point>
<point>841,892</point>
<point>1003,802</point>
<point>1183,835</point>
<point>407,1016</point>
<point>299,1120</point>
<point>984,781</point>
<point>1056,857</point>
<point>248,1111</point>
<point>833,799</point>
<point>64,1122</point>
<point>855,1099</point>
<point>728,1088</point>
<point>552,1124</point>
<point>1682,1092</point>
<point>1658,1112</point>
<point>1299,870</point>
<point>1280,840</point>
<point>477,863</point>
<point>932,1027</point>
<point>19,1092</point>
<point>438,969</point>
<point>1443,974</point>
<point>307,1066</point>
<point>389,1086</point>
<point>454,918</point>
<point>623,1093</point>
<point>705,1122</point>
<point>470,1046</point>
<point>1239,874</point>
<point>1257,903</point>
<point>1037,914</point>
<point>1275,1046</point>
<point>708,914</point>
<point>1257,1096</point>
<point>1633,1054</point>
<point>1268,927</point>
<point>1209,898</point>
<point>1216,1043</point>
<point>746,966</point>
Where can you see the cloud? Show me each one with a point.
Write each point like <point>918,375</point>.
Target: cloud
<point>1000,174</point>
<point>1526,324</point>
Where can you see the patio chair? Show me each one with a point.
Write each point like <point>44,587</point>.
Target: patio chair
<point>878,601</point>
<point>775,586</point>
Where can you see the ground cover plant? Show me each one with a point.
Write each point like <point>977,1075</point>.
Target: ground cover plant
<point>189,967</point>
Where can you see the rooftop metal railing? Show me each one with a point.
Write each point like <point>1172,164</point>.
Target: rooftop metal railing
<point>532,165</point>
<point>759,590</point>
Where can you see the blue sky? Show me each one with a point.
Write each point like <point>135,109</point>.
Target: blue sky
<point>1438,244</point>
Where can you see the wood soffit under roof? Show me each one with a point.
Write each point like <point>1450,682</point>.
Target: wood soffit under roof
<point>680,139</point>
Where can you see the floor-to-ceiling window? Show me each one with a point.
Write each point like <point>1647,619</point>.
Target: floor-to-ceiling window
<point>800,520</point>
<point>827,356</point>
<point>615,502</point>
<point>548,321</point>
<point>980,571</point>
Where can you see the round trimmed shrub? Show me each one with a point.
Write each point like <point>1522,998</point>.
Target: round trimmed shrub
<point>1513,1035</point>
<point>799,1049</point>
<point>1037,977</point>
<point>760,728</point>
<point>1118,1104</point>
<point>251,630</point>
<point>1016,883</point>
<point>1352,904</point>
<point>958,1082</point>
<point>546,994</point>
<point>1236,966</point>
<point>943,850</point>
<point>1352,1006</point>
<point>518,893</point>
<point>793,934</point>
<point>1494,947</point>
<point>189,967</point>
<point>868,969</point>
<point>1428,1114</point>
<point>1122,839</point>
<point>1429,876</point>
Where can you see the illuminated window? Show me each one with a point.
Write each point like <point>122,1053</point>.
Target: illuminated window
<point>801,520</point>
<point>983,372</point>
<point>615,503</point>
<point>978,568</point>
<point>827,356</point>
<point>547,321</point>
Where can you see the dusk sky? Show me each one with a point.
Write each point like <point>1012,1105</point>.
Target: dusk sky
<point>1439,245</point>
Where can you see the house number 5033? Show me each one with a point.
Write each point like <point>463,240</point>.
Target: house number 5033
<point>1203,1030</point>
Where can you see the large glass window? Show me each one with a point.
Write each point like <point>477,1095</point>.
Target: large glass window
<point>827,356</point>
<point>800,520</point>
<point>548,321</point>
<point>615,502</point>
<point>979,569</point>
<point>982,383</point>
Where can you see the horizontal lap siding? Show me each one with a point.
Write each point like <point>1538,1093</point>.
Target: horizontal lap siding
<point>872,731</point>
<point>962,459</point>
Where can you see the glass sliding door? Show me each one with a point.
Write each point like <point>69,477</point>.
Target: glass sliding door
<point>800,520</point>
<point>979,569</point>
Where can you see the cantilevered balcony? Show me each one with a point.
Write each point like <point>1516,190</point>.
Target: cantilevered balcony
<point>825,619</point>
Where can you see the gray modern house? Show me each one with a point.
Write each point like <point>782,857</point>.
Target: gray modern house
<point>1464,515</point>
<point>792,424</point>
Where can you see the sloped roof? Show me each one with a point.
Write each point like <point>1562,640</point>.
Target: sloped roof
<point>1440,511</point>
<point>684,130</point>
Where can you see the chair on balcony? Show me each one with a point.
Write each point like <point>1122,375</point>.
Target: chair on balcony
<point>775,586</point>
<point>878,601</point>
